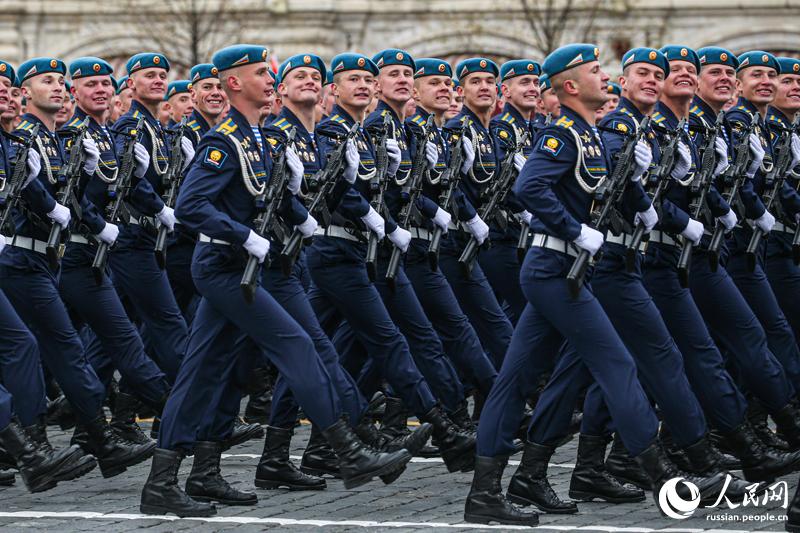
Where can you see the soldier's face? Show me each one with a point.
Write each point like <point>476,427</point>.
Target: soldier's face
<point>45,92</point>
<point>255,83</point>
<point>302,85</point>
<point>65,112</point>
<point>5,94</point>
<point>434,93</point>
<point>354,88</point>
<point>456,104</point>
<point>149,85</point>
<point>788,95</point>
<point>395,82</point>
<point>682,79</point>
<point>93,94</point>
<point>642,83</point>
<point>14,103</point>
<point>208,97</point>
<point>590,82</point>
<point>716,84</point>
<point>123,101</point>
<point>522,92</point>
<point>480,91</point>
<point>551,104</point>
<point>180,106</point>
<point>758,84</point>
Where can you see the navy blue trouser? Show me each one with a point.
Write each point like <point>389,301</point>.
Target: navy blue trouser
<point>179,273</point>
<point>32,288</point>
<point>342,290</point>
<point>784,277</point>
<point>6,410</point>
<point>501,266</point>
<point>136,274</point>
<point>736,330</point>
<point>222,317</point>
<point>551,317</point>
<point>20,366</point>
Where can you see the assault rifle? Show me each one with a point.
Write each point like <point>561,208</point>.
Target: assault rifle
<point>377,187</point>
<point>449,183</point>
<point>11,189</point>
<point>172,181</point>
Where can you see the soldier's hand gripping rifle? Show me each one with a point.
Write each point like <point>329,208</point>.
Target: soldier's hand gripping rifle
<point>698,190</point>
<point>496,194</point>
<point>172,181</point>
<point>732,179</point>
<point>409,195</point>
<point>661,177</point>
<point>320,186</point>
<point>267,204</point>
<point>117,192</point>
<point>449,182</point>
<point>377,187</point>
<point>773,182</point>
<point>11,189</point>
<point>523,242</point>
<point>606,201</point>
<point>67,180</point>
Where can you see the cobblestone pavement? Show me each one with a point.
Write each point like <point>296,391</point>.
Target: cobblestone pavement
<point>425,498</point>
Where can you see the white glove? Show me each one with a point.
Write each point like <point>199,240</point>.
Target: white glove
<point>795,147</point>
<point>3,239</point>
<point>295,169</point>
<point>728,220</point>
<point>308,227</point>
<point>167,217</point>
<point>34,166</point>
<point>721,149</point>
<point>757,151</point>
<point>108,234</point>
<point>469,155</point>
<point>524,217</point>
<point>400,238</point>
<point>442,219</point>
<point>693,231</point>
<point>188,152</point>
<point>649,218</point>
<point>643,156</point>
<point>142,157</point>
<point>431,153</point>
<point>477,228</point>
<point>92,153</point>
<point>519,161</point>
<point>393,151</point>
<point>352,159</point>
<point>61,215</point>
<point>765,222</point>
<point>590,239</point>
<point>681,167</point>
<point>375,223</point>
<point>257,246</point>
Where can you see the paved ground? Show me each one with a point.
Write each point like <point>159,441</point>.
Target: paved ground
<point>426,497</point>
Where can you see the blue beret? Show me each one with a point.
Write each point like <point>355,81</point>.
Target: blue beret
<point>519,67</point>
<point>476,64</point>
<point>68,88</point>
<point>302,60</point>
<point>676,52</point>
<point>714,55</point>
<point>758,58</point>
<point>570,56</point>
<point>202,71</point>
<point>646,55</point>
<point>238,55</point>
<point>83,67</point>
<point>8,71</point>
<point>431,66</point>
<point>353,61</point>
<point>114,84</point>
<point>544,83</point>
<point>177,87</point>
<point>614,88</point>
<point>455,83</point>
<point>328,78</point>
<point>146,60</point>
<point>393,56</point>
<point>122,84</point>
<point>41,65</point>
<point>789,65</point>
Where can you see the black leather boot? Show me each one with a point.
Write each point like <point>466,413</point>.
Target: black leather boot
<point>205,482</point>
<point>318,457</point>
<point>461,418</point>
<point>6,461</point>
<point>161,493</point>
<point>703,461</point>
<point>124,420</point>
<point>40,468</point>
<point>60,413</point>
<point>81,463</point>
<point>275,469</point>
<point>757,416</point>
<point>590,479</point>
<point>113,453</point>
<point>456,445</point>
<point>242,432</point>
<point>394,424</point>
<point>7,478</point>
<point>412,442</point>
<point>793,513</point>
<point>358,463</point>
<point>529,485</point>
<point>621,465</point>
<point>787,421</point>
<point>485,502</point>
<point>759,461</point>
<point>259,403</point>
<point>154,427</point>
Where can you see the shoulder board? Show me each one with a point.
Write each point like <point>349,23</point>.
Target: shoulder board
<point>564,122</point>
<point>695,110</point>
<point>193,125</point>
<point>508,118</point>
<point>417,119</point>
<point>743,108</point>
<point>658,118</point>
<point>25,126</point>
<point>74,122</point>
<point>625,111</point>
<point>227,127</point>
<point>338,119</point>
<point>136,114</point>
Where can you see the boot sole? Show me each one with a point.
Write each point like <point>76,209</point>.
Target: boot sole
<point>582,496</point>
<point>388,479</point>
<point>488,520</point>
<point>770,476</point>
<point>519,500</point>
<point>635,483</point>
<point>79,468</point>
<point>366,477</point>
<point>158,510</point>
<point>117,469</point>
<point>272,485</point>
<point>320,472</point>
<point>209,499</point>
<point>254,434</point>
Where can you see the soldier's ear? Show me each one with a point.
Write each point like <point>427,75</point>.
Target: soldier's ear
<point>26,92</point>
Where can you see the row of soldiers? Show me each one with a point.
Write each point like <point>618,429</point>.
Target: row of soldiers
<point>637,256</point>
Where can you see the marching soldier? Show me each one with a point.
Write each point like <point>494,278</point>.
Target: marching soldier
<point>208,100</point>
<point>179,101</point>
<point>122,99</point>
<point>615,91</point>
